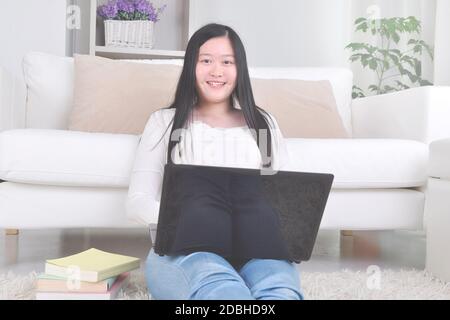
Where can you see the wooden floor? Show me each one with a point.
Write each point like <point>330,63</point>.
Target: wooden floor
<point>28,250</point>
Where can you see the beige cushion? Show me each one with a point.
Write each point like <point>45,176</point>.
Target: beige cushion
<point>303,109</point>
<point>118,96</point>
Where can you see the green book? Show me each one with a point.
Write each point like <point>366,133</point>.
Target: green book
<point>92,265</point>
<point>49,283</point>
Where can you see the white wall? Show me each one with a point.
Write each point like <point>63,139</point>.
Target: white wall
<point>442,44</point>
<point>26,25</point>
<point>282,33</point>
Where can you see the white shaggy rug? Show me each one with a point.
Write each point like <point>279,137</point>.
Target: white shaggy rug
<point>345,284</point>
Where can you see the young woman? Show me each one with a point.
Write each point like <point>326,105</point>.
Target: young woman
<point>213,121</point>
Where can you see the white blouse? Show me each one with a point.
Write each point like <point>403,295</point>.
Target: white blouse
<point>200,144</point>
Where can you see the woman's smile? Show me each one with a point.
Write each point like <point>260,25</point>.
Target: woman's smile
<point>216,84</point>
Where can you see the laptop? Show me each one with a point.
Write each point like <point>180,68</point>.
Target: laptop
<point>298,199</point>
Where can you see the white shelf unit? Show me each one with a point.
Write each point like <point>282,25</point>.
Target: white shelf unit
<point>136,53</point>
<point>174,34</point>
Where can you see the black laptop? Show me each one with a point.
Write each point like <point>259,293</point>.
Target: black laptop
<point>298,199</point>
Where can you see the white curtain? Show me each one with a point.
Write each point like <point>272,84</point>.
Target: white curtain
<point>423,10</point>
<point>313,33</point>
<point>442,44</point>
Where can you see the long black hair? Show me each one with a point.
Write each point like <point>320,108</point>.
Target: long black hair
<point>186,95</point>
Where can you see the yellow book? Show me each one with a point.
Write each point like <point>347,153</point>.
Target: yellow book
<point>92,265</point>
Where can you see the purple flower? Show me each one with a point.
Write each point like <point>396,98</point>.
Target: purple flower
<point>125,5</point>
<point>109,10</point>
<point>146,11</point>
<point>130,10</point>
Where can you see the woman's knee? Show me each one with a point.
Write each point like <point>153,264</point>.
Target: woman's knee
<point>213,277</point>
<point>207,265</point>
<point>165,280</point>
<point>272,279</point>
<point>184,276</point>
<point>276,293</point>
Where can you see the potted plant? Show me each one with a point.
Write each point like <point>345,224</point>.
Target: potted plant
<point>395,69</point>
<point>129,23</point>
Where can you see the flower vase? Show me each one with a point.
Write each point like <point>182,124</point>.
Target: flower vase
<point>129,33</point>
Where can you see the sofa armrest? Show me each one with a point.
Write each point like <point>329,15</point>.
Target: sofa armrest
<point>439,159</point>
<point>12,101</point>
<point>5,99</point>
<point>421,114</point>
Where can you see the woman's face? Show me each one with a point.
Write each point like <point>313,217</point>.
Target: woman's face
<point>216,70</point>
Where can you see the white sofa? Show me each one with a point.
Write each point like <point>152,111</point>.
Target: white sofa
<point>437,209</point>
<point>56,178</point>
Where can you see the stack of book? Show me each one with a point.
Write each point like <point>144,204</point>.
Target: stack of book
<point>89,275</point>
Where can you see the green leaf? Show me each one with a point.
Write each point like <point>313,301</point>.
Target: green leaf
<point>397,52</point>
<point>411,77</point>
<point>363,27</point>
<point>357,92</point>
<point>359,20</point>
<point>365,59</point>
<point>394,58</point>
<point>401,85</point>
<point>391,26</point>
<point>373,64</point>
<point>371,49</point>
<point>355,46</point>
<point>418,67</point>
<point>429,49</point>
<point>425,83</point>
<point>413,24</point>
<point>355,57</point>
<point>373,88</point>
<point>388,88</point>
<point>395,37</point>
<point>418,49</point>
<point>409,60</point>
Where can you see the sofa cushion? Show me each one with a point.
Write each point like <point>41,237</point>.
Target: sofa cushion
<point>67,158</point>
<point>58,157</point>
<point>341,80</point>
<point>363,163</point>
<point>303,109</point>
<point>50,87</point>
<point>118,96</point>
<point>50,84</point>
<point>49,81</point>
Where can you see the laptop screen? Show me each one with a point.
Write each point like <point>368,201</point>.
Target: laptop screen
<point>240,212</point>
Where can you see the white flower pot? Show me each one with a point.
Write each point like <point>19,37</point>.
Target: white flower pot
<point>134,33</point>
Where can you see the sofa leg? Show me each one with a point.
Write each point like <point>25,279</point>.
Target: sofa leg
<point>12,232</point>
<point>360,244</point>
<point>347,233</point>
<point>11,246</point>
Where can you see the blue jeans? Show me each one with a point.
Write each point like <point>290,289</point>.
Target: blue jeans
<point>208,276</point>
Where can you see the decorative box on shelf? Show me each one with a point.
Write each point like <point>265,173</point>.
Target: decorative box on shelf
<point>129,33</point>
